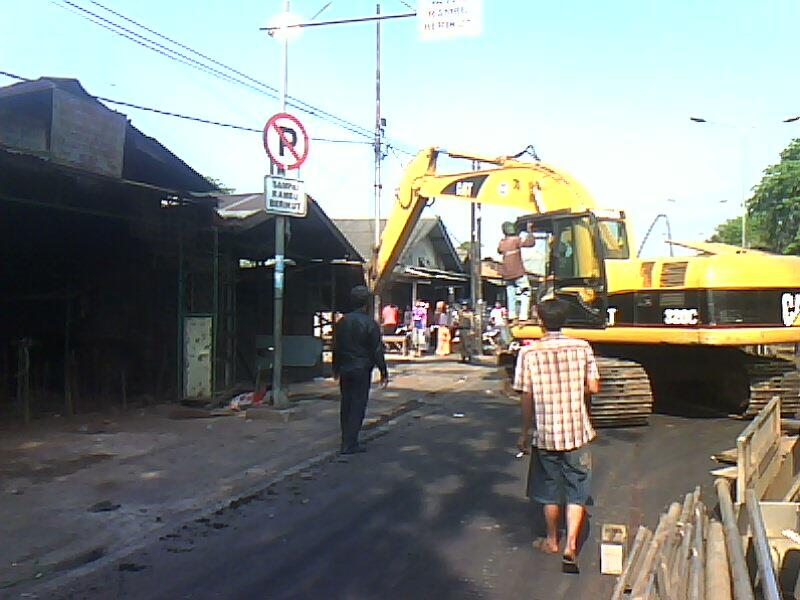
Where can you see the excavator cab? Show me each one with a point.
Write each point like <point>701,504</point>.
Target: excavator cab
<point>574,266</point>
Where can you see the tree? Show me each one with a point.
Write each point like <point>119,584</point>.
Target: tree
<point>464,247</point>
<point>775,205</point>
<point>729,232</point>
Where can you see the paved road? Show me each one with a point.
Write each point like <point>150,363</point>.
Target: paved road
<point>434,509</point>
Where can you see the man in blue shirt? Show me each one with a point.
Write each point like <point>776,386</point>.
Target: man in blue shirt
<point>357,349</point>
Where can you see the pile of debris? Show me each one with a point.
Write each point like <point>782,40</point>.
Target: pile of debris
<point>751,551</point>
<point>681,559</point>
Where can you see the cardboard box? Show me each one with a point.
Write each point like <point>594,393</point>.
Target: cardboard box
<point>613,548</point>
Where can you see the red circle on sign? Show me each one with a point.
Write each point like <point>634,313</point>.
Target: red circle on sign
<point>277,139</point>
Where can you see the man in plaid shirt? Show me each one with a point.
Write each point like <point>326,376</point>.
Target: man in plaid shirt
<point>554,375</point>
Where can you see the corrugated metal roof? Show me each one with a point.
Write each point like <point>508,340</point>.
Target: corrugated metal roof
<point>361,233</point>
<point>316,232</point>
<point>145,159</point>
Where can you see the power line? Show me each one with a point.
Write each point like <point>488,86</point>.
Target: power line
<point>185,47</point>
<point>292,100</point>
<point>262,87</point>
<point>162,49</point>
<point>271,30</point>
<point>212,122</point>
<point>168,113</point>
<point>180,116</point>
<point>170,53</point>
<point>112,29</point>
<point>13,76</point>
<point>321,10</point>
<point>394,150</point>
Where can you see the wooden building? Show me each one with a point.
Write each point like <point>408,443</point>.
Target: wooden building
<point>429,269</point>
<point>121,279</point>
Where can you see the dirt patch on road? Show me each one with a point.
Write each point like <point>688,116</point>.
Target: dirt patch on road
<point>40,471</point>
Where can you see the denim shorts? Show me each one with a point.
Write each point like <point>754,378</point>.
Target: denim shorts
<point>561,477</point>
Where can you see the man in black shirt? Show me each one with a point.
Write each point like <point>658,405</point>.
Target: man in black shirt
<point>357,349</point>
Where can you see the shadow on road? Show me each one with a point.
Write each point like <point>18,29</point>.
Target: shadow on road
<point>434,509</point>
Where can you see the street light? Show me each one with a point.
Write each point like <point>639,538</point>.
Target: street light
<point>675,201</point>
<point>287,26</point>
<point>283,26</point>
<point>282,33</point>
<point>741,129</point>
<point>743,149</point>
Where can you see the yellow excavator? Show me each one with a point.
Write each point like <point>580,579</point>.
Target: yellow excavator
<point>686,325</point>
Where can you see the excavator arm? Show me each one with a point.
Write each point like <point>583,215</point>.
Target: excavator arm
<point>533,187</point>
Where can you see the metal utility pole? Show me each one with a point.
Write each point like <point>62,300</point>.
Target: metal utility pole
<point>378,148</point>
<point>476,288</point>
<point>479,238</point>
<point>279,396</point>
<point>743,187</point>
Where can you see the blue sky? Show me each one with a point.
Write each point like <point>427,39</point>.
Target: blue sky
<point>603,90</point>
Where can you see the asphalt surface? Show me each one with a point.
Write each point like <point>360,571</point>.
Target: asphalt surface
<point>434,509</point>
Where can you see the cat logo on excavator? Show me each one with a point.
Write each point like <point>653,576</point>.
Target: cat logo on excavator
<point>790,303</point>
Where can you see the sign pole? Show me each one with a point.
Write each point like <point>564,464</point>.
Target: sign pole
<point>476,282</point>
<point>378,150</point>
<point>279,396</point>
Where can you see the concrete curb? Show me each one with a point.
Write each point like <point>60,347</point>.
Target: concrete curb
<point>84,561</point>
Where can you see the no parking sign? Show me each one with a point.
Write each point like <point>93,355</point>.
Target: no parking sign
<point>286,141</point>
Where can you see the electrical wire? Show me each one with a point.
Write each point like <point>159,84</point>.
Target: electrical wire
<point>168,113</point>
<point>164,50</point>
<point>270,90</point>
<point>13,76</point>
<point>321,10</point>
<point>394,150</point>
<point>217,123</point>
<point>291,100</point>
<point>110,28</point>
<point>181,58</point>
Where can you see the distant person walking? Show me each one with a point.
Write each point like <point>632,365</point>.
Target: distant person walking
<point>497,316</point>
<point>553,375</point>
<point>390,316</point>
<point>419,317</point>
<point>518,288</point>
<point>443,336</point>
<point>357,349</point>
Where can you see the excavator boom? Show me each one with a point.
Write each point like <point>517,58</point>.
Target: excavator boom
<point>533,187</point>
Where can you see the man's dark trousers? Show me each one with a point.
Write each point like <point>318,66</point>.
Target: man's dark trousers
<point>354,385</point>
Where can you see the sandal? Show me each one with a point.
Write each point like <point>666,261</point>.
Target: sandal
<point>568,565</point>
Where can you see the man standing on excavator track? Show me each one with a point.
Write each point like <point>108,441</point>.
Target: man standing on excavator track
<point>554,375</point>
<point>518,288</point>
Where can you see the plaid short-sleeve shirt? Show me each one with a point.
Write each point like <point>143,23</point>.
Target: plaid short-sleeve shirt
<point>555,369</point>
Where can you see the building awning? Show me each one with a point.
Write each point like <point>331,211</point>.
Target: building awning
<point>311,238</point>
<point>428,274</point>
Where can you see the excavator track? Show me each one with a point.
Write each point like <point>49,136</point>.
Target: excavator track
<point>771,377</point>
<point>625,396</point>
